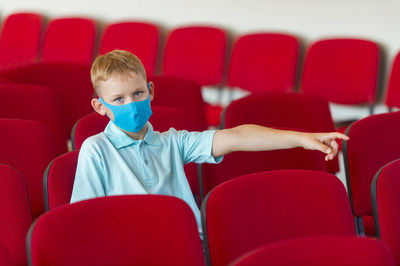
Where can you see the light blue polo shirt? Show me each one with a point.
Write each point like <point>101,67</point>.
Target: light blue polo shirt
<point>112,163</point>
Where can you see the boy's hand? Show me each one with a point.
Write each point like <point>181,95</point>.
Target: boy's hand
<point>324,142</point>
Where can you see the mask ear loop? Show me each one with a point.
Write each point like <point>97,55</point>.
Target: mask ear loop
<point>148,85</point>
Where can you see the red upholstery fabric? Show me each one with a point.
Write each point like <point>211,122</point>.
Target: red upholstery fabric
<point>69,40</point>
<point>264,62</point>
<point>279,110</point>
<point>196,53</point>
<point>250,211</point>
<point>35,102</point>
<point>5,257</point>
<point>385,199</point>
<point>117,230</point>
<point>321,250</point>
<point>373,142</point>
<point>393,89</point>
<point>140,38</point>
<point>29,147</point>
<point>20,39</point>
<point>343,71</point>
<point>162,119</point>
<point>70,81</point>
<point>182,94</point>
<point>58,180</point>
<point>15,214</point>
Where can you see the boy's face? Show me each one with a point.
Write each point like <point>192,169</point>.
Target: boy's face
<point>122,89</point>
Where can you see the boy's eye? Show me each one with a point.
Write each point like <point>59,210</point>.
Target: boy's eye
<point>117,100</point>
<point>138,93</point>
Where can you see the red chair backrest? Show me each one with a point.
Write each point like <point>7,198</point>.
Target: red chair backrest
<point>140,38</point>
<point>70,81</point>
<point>373,143</point>
<point>393,88</point>
<point>251,211</point>
<point>35,102</point>
<point>69,40</point>
<point>196,53</point>
<point>116,230</point>
<point>15,214</point>
<point>20,39</point>
<point>385,191</point>
<point>58,180</point>
<point>343,71</point>
<point>320,250</point>
<point>29,147</point>
<point>278,110</point>
<point>264,62</point>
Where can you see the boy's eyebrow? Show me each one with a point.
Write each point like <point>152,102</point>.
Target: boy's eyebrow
<point>116,95</point>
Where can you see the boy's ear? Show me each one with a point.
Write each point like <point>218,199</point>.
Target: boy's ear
<point>98,106</point>
<point>151,90</point>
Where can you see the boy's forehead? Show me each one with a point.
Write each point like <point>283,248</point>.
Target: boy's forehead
<point>115,81</point>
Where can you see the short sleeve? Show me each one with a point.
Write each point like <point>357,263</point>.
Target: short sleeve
<point>197,146</point>
<point>89,177</point>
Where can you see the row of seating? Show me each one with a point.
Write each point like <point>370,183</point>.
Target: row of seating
<point>284,211</point>
<point>344,71</point>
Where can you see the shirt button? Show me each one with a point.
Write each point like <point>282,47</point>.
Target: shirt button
<point>146,161</point>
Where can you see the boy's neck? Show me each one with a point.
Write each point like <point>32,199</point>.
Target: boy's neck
<point>138,135</point>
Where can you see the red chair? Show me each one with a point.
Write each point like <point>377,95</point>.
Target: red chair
<point>343,71</point>
<point>320,250</point>
<point>20,39</point>
<point>5,257</point>
<point>69,40</point>
<point>385,191</point>
<point>58,180</point>
<point>181,94</point>
<point>393,88</point>
<point>140,38</point>
<point>373,143</point>
<point>162,119</point>
<point>251,211</point>
<point>278,110</point>
<point>35,102</point>
<point>264,62</point>
<point>15,215</point>
<point>196,53</point>
<point>70,81</point>
<point>117,230</point>
<point>29,147</point>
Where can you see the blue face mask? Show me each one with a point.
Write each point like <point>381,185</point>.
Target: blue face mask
<point>130,117</point>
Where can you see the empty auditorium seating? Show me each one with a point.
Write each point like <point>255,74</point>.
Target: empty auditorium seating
<point>196,53</point>
<point>373,143</point>
<point>69,40</point>
<point>29,147</point>
<point>264,62</point>
<point>343,71</point>
<point>251,211</point>
<point>393,88</point>
<point>20,38</point>
<point>117,230</point>
<point>294,111</point>
<point>385,191</point>
<point>70,81</point>
<point>58,180</point>
<point>181,94</point>
<point>140,38</point>
<point>320,250</point>
<point>35,102</point>
<point>15,215</point>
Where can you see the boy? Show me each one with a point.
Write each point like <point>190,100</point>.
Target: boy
<point>130,158</point>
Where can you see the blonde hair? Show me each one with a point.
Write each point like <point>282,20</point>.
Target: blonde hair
<point>114,63</point>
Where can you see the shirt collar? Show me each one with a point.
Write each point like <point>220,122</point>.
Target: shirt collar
<point>119,139</point>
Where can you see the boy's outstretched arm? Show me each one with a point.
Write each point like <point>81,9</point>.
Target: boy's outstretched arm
<point>258,138</point>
